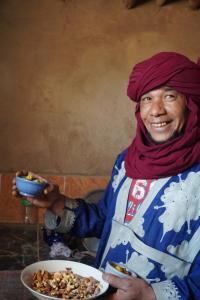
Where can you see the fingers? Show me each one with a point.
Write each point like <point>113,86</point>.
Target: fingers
<point>19,173</point>
<point>115,281</point>
<point>22,173</point>
<point>127,288</point>
<point>15,193</point>
<point>46,199</point>
<point>112,280</point>
<point>49,188</point>
<point>14,190</point>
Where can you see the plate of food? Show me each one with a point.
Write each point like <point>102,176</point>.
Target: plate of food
<point>62,279</point>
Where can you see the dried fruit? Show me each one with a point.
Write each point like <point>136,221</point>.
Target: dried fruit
<point>65,284</point>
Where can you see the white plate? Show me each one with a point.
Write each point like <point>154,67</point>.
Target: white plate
<point>61,265</point>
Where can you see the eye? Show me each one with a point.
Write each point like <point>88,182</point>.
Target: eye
<point>170,97</point>
<point>146,99</point>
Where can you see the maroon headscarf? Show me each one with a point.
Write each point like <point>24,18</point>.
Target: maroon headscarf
<point>144,159</point>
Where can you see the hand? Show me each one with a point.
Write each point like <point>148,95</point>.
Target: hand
<point>129,288</point>
<point>51,197</point>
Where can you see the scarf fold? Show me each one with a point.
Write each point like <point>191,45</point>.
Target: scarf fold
<point>144,159</point>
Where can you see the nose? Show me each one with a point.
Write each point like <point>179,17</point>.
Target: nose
<point>157,107</point>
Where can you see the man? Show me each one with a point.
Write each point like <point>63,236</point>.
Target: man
<point>149,217</point>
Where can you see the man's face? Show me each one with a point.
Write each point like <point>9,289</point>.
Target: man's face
<point>163,112</point>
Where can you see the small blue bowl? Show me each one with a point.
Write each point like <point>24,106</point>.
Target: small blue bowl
<point>28,187</point>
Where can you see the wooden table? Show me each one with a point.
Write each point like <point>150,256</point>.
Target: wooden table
<point>11,288</point>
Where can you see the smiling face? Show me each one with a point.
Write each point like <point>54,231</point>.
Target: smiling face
<point>163,112</point>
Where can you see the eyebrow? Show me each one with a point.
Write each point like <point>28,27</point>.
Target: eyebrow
<point>167,88</point>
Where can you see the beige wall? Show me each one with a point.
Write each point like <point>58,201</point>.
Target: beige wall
<point>64,67</point>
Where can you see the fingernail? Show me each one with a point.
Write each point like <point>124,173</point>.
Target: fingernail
<point>105,276</point>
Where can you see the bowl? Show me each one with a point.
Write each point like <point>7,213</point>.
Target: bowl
<point>32,188</point>
<point>57,266</point>
<point>119,270</point>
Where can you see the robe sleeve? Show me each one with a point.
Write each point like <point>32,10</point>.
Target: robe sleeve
<point>84,219</point>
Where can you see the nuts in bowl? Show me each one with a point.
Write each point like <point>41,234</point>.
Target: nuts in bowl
<point>63,279</point>
<point>30,186</point>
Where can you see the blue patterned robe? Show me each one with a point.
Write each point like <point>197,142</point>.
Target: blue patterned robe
<point>161,244</point>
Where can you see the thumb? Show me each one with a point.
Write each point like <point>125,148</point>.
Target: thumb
<point>113,280</point>
<point>48,188</point>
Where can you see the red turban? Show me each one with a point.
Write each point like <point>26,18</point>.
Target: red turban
<point>147,160</point>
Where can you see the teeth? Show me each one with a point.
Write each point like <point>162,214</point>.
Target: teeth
<point>159,124</point>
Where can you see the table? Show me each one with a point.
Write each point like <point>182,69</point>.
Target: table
<point>18,249</point>
<point>11,287</point>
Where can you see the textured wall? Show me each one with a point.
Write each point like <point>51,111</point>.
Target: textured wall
<point>64,67</point>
